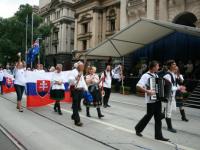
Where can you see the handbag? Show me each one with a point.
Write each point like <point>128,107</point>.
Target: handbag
<point>88,96</point>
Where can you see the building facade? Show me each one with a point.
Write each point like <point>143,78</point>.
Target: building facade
<point>165,10</point>
<point>95,21</point>
<point>59,45</point>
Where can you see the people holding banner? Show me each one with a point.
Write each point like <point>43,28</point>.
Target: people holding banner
<point>106,78</point>
<point>19,83</point>
<point>92,80</point>
<point>57,92</point>
<point>1,79</point>
<point>77,86</point>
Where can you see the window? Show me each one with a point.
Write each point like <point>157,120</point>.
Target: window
<point>85,27</point>
<point>56,36</point>
<point>112,25</point>
<point>56,49</point>
<point>84,44</point>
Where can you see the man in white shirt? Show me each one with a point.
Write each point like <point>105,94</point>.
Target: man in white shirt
<point>154,107</point>
<point>1,79</point>
<point>117,73</point>
<point>106,78</point>
<point>78,86</point>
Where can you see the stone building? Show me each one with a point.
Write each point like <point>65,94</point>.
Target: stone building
<point>59,45</point>
<point>95,21</point>
<point>165,10</point>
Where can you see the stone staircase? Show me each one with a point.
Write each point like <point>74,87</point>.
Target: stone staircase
<point>194,98</point>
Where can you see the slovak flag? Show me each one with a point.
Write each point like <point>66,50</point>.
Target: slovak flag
<point>38,86</point>
<point>8,83</point>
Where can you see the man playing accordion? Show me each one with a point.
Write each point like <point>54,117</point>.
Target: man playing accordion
<point>154,106</point>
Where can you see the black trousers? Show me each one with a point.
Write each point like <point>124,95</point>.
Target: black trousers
<point>117,85</point>
<point>1,84</point>
<point>19,91</point>
<point>107,95</point>
<point>77,95</point>
<point>153,109</point>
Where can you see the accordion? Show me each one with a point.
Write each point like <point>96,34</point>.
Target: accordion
<point>162,89</point>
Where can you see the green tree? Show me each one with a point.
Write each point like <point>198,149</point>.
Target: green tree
<point>13,31</point>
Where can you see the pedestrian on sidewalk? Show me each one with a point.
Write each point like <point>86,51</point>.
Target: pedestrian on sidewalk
<point>106,79</point>
<point>57,92</point>
<point>19,83</point>
<point>154,106</point>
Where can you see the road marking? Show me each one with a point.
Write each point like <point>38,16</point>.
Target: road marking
<point>12,138</point>
<point>126,130</point>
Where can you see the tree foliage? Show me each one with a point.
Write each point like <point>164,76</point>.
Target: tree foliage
<point>13,32</point>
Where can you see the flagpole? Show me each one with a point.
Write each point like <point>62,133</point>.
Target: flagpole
<point>26,53</point>
<point>32,31</point>
<point>32,37</point>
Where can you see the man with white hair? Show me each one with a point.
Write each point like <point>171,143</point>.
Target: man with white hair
<point>77,86</point>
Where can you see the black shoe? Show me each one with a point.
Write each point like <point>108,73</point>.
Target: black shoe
<point>100,116</point>
<point>139,134</point>
<point>182,111</point>
<point>60,113</point>
<point>79,124</point>
<point>21,110</point>
<point>172,130</point>
<point>55,109</point>
<point>185,119</point>
<point>108,105</point>
<point>88,115</point>
<point>162,139</point>
<point>105,106</point>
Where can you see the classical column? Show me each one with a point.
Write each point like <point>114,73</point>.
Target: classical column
<point>123,14</point>
<point>163,13</point>
<point>76,35</point>
<point>64,38</point>
<point>60,38</point>
<point>68,38</point>
<point>95,29</point>
<point>104,25</point>
<point>151,9</point>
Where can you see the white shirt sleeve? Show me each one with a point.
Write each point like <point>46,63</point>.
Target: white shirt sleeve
<point>143,81</point>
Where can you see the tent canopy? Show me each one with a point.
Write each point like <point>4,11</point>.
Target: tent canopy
<point>138,35</point>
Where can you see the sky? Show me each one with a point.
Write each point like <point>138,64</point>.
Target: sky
<point>9,7</point>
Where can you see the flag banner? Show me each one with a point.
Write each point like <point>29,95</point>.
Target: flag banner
<point>38,86</point>
<point>8,83</point>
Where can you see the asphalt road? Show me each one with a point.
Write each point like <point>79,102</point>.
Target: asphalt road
<point>42,129</point>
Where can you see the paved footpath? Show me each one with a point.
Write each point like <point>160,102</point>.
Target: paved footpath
<point>42,129</point>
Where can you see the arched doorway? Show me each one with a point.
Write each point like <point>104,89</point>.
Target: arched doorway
<point>185,18</point>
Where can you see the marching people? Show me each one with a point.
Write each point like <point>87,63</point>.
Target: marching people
<point>154,107</point>
<point>179,95</point>
<point>77,87</point>
<point>106,80</point>
<point>171,105</point>
<point>92,80</point>
<point>1,79</point>
<point>57,92</point>
<point>19,83</point>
